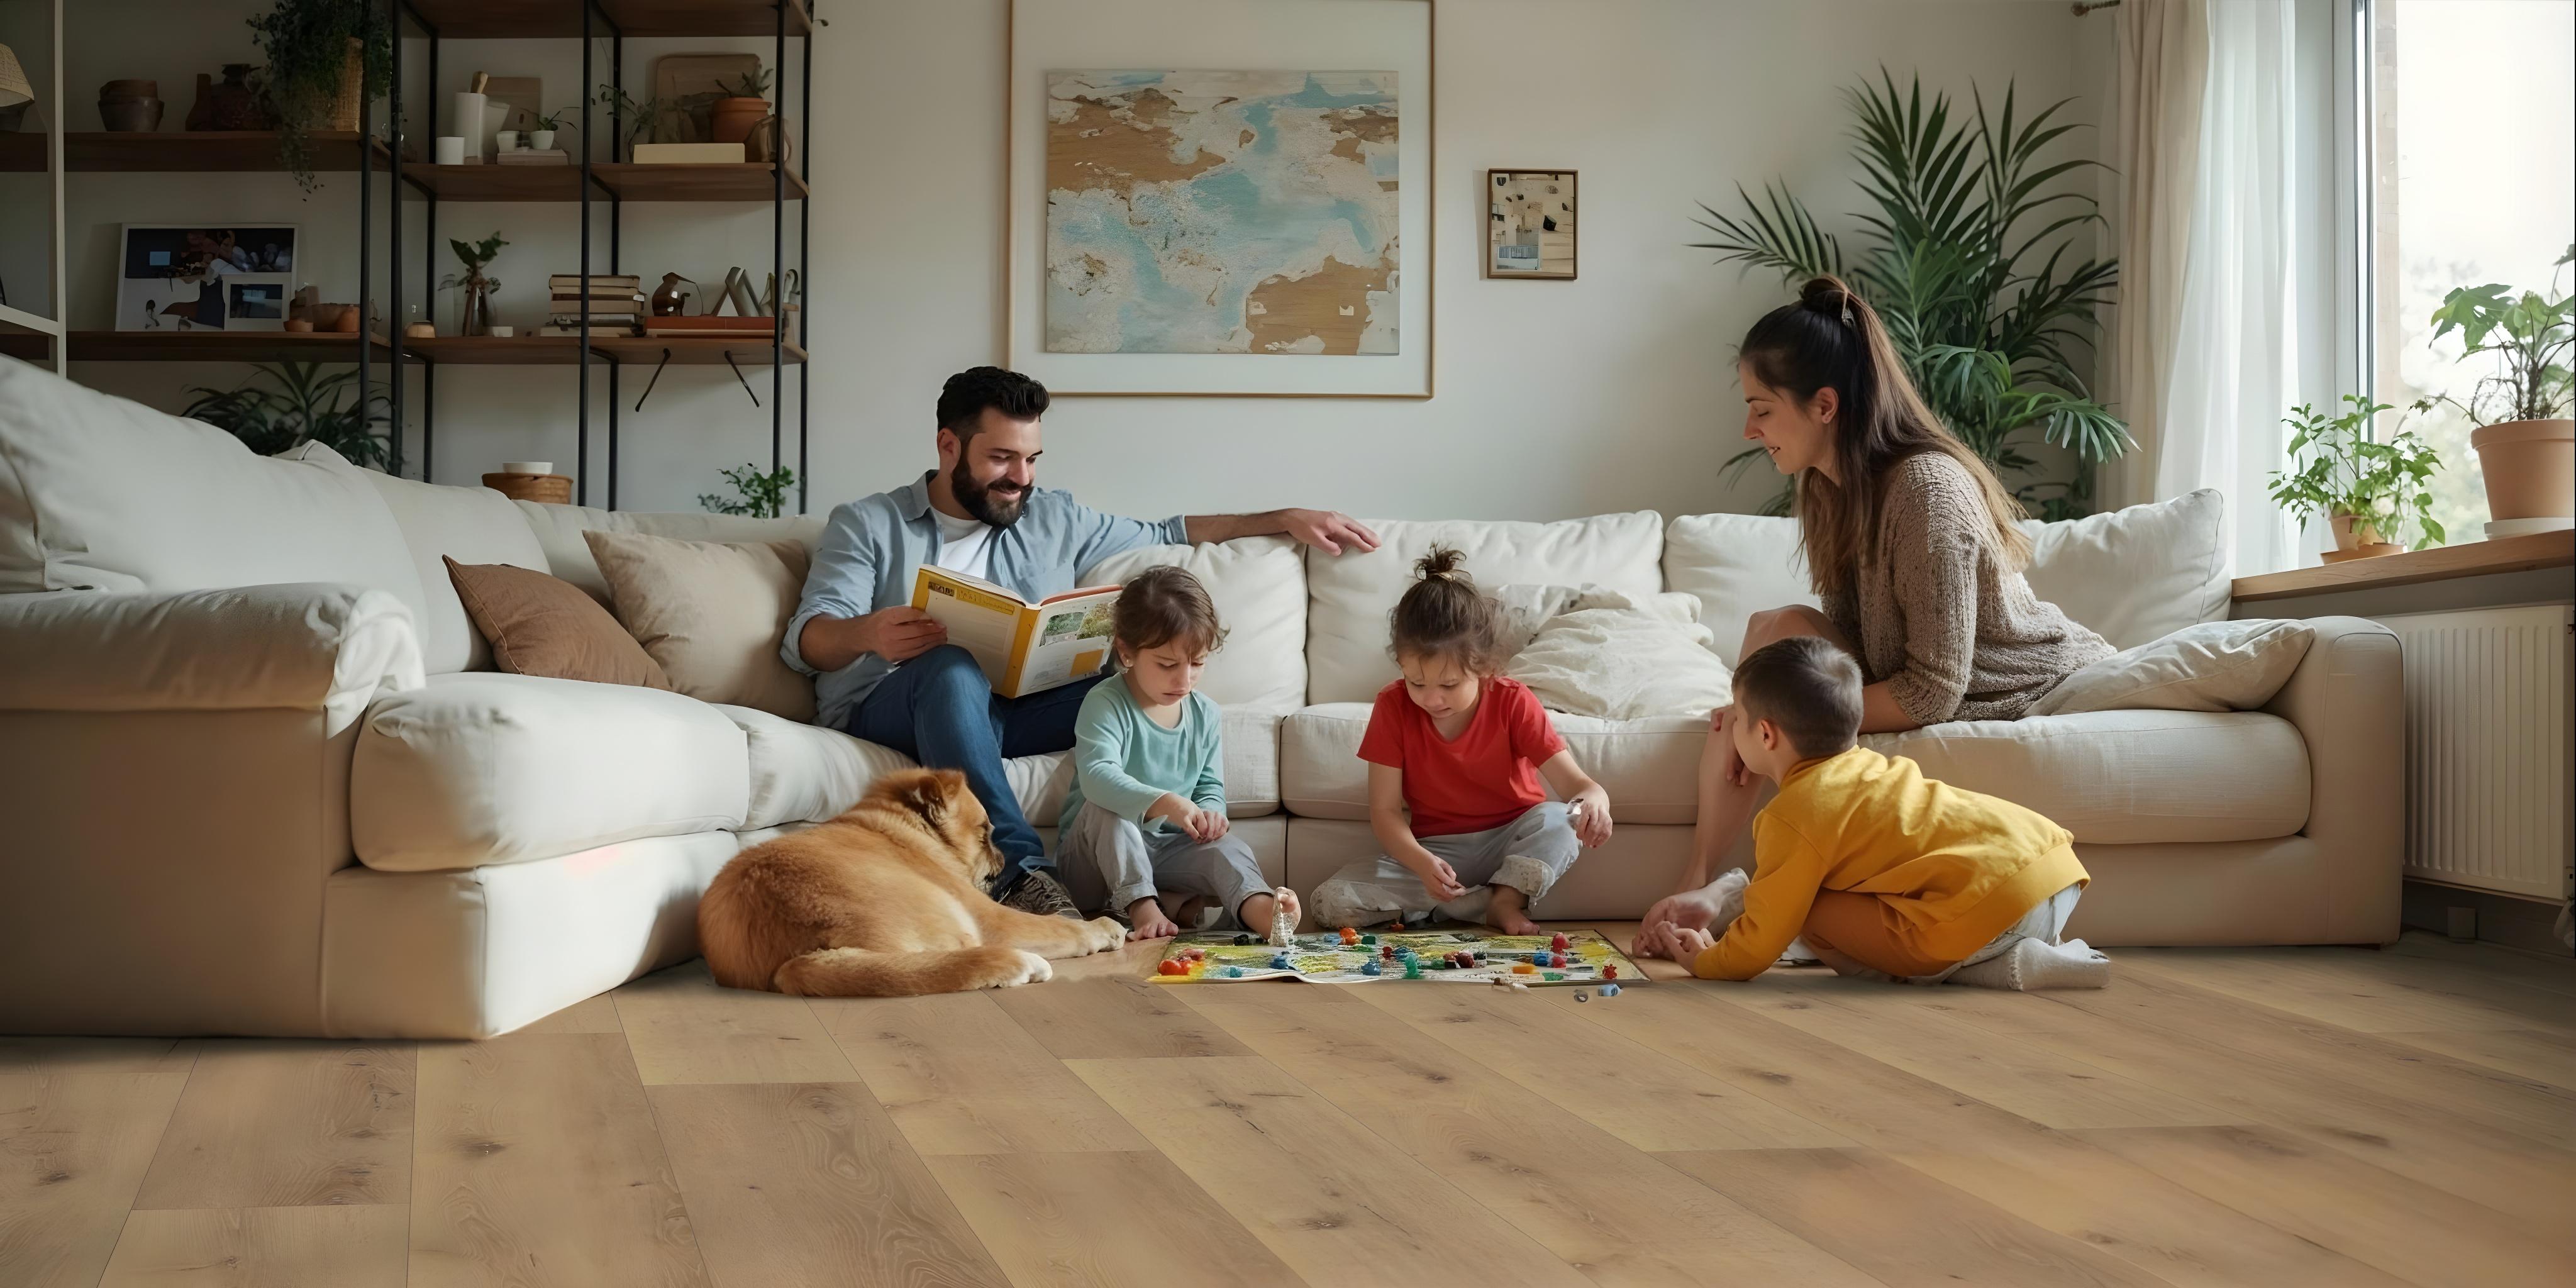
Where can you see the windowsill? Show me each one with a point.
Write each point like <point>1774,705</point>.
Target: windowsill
<point>2440,563</point>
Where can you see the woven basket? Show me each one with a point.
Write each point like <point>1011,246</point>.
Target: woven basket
<point>353,89</point>
<point>545,489</point>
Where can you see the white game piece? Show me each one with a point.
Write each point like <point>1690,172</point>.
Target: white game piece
<point>1283,932</point>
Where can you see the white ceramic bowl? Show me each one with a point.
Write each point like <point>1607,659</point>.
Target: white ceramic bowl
<point>527,467</point>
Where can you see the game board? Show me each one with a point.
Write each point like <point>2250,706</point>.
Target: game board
<point>1340,957</point>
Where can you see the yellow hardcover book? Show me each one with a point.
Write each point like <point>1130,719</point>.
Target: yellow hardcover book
<point>1024,648</point>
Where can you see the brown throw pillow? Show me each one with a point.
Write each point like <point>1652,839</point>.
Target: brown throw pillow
<point>542,625</point>
<point>711,612</point>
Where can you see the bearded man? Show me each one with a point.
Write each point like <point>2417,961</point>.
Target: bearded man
<point>884,671</point>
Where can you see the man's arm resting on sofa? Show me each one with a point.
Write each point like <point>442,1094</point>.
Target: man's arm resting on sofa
<point>299,645</point>
<point>1327,530</point>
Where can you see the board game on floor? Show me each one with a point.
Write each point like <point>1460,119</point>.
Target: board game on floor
<point>1560,959</point>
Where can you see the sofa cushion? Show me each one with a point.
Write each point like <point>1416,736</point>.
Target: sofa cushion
<point>1350,594</point>
<point>482,767</point>
<point>1624,657</point>
<point>1259,587</point>
<point>1736,565</point>
<point>102,493</point>
<point>2110,777</point>
<point>2138,574</point>
<point>537,624</point>
<point>711,612</point>
<point>2215,666</point>
<point>803,773</point>
<point>472,525</point>
<point>559,530</point>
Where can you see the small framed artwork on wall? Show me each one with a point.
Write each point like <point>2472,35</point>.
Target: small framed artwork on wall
<point>1529,224</point>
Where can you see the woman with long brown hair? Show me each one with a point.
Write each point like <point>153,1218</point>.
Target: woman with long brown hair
<point>1911,546</point>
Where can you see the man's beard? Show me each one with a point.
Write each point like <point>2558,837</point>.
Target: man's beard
<point>998,505</point>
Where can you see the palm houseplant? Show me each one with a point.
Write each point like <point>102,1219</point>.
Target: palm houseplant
<point>327,59</point>
<point>2378,495</point>
<point>1968,252</point>
<point>293,403</point>
<point>2525,440</point>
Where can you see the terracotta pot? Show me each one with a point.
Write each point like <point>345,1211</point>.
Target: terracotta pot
<point>300,326</point>
<point>2530,467</point>
<point>2351,532</point>
<point>734,117</point>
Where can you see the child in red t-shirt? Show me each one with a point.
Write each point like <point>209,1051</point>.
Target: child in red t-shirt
<point>1455,753</point>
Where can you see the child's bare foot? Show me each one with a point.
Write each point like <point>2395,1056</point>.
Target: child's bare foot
<point>1509,912</point>
<point>1259,910</point>
<point>1145,920</point>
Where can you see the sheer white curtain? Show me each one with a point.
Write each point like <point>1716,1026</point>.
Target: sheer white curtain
<point>2209,344</point>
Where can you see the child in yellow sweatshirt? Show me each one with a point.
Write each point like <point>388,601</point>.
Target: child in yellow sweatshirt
<point>1878,868</point>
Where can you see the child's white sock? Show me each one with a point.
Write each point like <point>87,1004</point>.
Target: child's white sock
<point>2031,963</point>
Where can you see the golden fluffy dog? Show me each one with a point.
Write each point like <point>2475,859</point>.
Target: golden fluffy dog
<point>885,901</point>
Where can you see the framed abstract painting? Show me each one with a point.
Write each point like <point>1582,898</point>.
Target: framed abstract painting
<point>1221,197</point>
<point>1529,224</point>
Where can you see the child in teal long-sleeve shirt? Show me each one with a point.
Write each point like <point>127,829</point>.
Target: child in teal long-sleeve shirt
<point>1145,817</point>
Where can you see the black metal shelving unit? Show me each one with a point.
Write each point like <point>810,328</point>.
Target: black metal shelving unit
<point>590,21</point>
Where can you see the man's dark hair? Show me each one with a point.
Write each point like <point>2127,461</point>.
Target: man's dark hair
<point>963,399</point>
<point>1808,688</point>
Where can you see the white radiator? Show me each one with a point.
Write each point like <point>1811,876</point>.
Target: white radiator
<point>2488,717</point>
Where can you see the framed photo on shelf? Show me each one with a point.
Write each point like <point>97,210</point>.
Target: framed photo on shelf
<point>256,301</point>
<point>1529,224</point>
<point>171,277</point>
<point>1223,198</point>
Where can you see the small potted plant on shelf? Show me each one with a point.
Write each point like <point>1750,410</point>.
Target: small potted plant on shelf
<point>746,104</point>
<point>325,62</point>
<point>2525,440</point>
<point>2377,495</point>
<point>474,307</point>
<point>541,134</point>
<point>638,116</point>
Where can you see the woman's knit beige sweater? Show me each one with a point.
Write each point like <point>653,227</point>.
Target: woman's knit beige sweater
<point>1938,615</point>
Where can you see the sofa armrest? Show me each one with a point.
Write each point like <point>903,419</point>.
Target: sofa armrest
<point>2348,700</point>
<point>300,646</point>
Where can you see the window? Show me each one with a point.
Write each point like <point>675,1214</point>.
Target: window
<point>2472,173</point>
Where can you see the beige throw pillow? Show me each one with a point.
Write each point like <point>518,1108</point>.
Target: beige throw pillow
<point>1624,657</point>
<point>2216,666</point>
<point>542,625</point>
<point>712,613</point>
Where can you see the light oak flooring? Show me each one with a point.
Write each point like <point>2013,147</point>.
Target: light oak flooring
<point>2330,1117</point>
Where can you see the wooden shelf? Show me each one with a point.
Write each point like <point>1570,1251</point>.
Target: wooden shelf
<point>524,19</point>
<point>496,351</point>
<point>166,152</point>
<point>25,346</point>
<point>22,153</point>
<point>2440,563</point>
<point>690,350</point>
<point>721,182</point>
<point>217,346</point>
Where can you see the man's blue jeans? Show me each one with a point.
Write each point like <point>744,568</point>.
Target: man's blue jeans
<point>939,710</point>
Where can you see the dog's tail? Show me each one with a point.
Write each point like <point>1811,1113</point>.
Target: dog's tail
<point>857,972</point>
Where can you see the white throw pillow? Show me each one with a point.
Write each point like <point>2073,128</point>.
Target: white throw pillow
<point>1258,585</point>
<point>1625,657</point>
<point>2217,666</point>
<point>1527,608</point>
<point>2136,575</point>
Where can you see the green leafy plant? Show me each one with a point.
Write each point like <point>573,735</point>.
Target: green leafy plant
<point>292,403</point>
<point>760,495</point>
<point>2536,335</point>
<point>307,43</point>
<point>640,115</point>
<point>2385,487</point>
<point>559,119</point>
<point>1969,262</point>
<point>475,255</point>
<point>751,84</point>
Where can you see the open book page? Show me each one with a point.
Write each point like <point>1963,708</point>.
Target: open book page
<point>982,618</point>
<point>1022,648</point>
<point>1072,640</point>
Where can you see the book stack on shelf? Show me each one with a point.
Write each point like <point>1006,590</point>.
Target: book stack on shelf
<point>613,301</point>
<point>533,156</point>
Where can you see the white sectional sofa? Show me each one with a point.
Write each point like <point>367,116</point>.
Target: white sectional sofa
<point>260,778</point>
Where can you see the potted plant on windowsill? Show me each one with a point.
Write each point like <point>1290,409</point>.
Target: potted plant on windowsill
<point>2377,495</point>
<point>2526,442</point>
<point>325,62</point>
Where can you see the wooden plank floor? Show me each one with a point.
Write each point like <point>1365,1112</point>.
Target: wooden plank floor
<point>2266,1117</point>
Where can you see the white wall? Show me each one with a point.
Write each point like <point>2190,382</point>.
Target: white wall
<point>1612,392</point>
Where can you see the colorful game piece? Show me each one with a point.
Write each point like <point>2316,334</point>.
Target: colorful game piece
<point>1368,939</point>
<point>1558,942</point>
<point>1609,990</point>
<point>1524,968</point>
<point>1170,967</point>
<point>1234,972</point>
<point>1350,936</point>
<point>1555,975</point>
<point>1581,996</point>
<point>1279,962</point>
<point>1370,968</point>
<point>1241,941</point>
<point>1412,969</point>
<point>1609,971</point>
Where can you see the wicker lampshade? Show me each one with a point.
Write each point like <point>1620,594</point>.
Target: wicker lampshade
<point>14,88</point>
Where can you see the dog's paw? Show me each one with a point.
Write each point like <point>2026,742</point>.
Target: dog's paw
<point>1105,935</point>
<point>1033,970</point>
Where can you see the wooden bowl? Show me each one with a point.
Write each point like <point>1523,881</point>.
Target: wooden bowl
<point>545,489</point>
<point>117,90</point>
